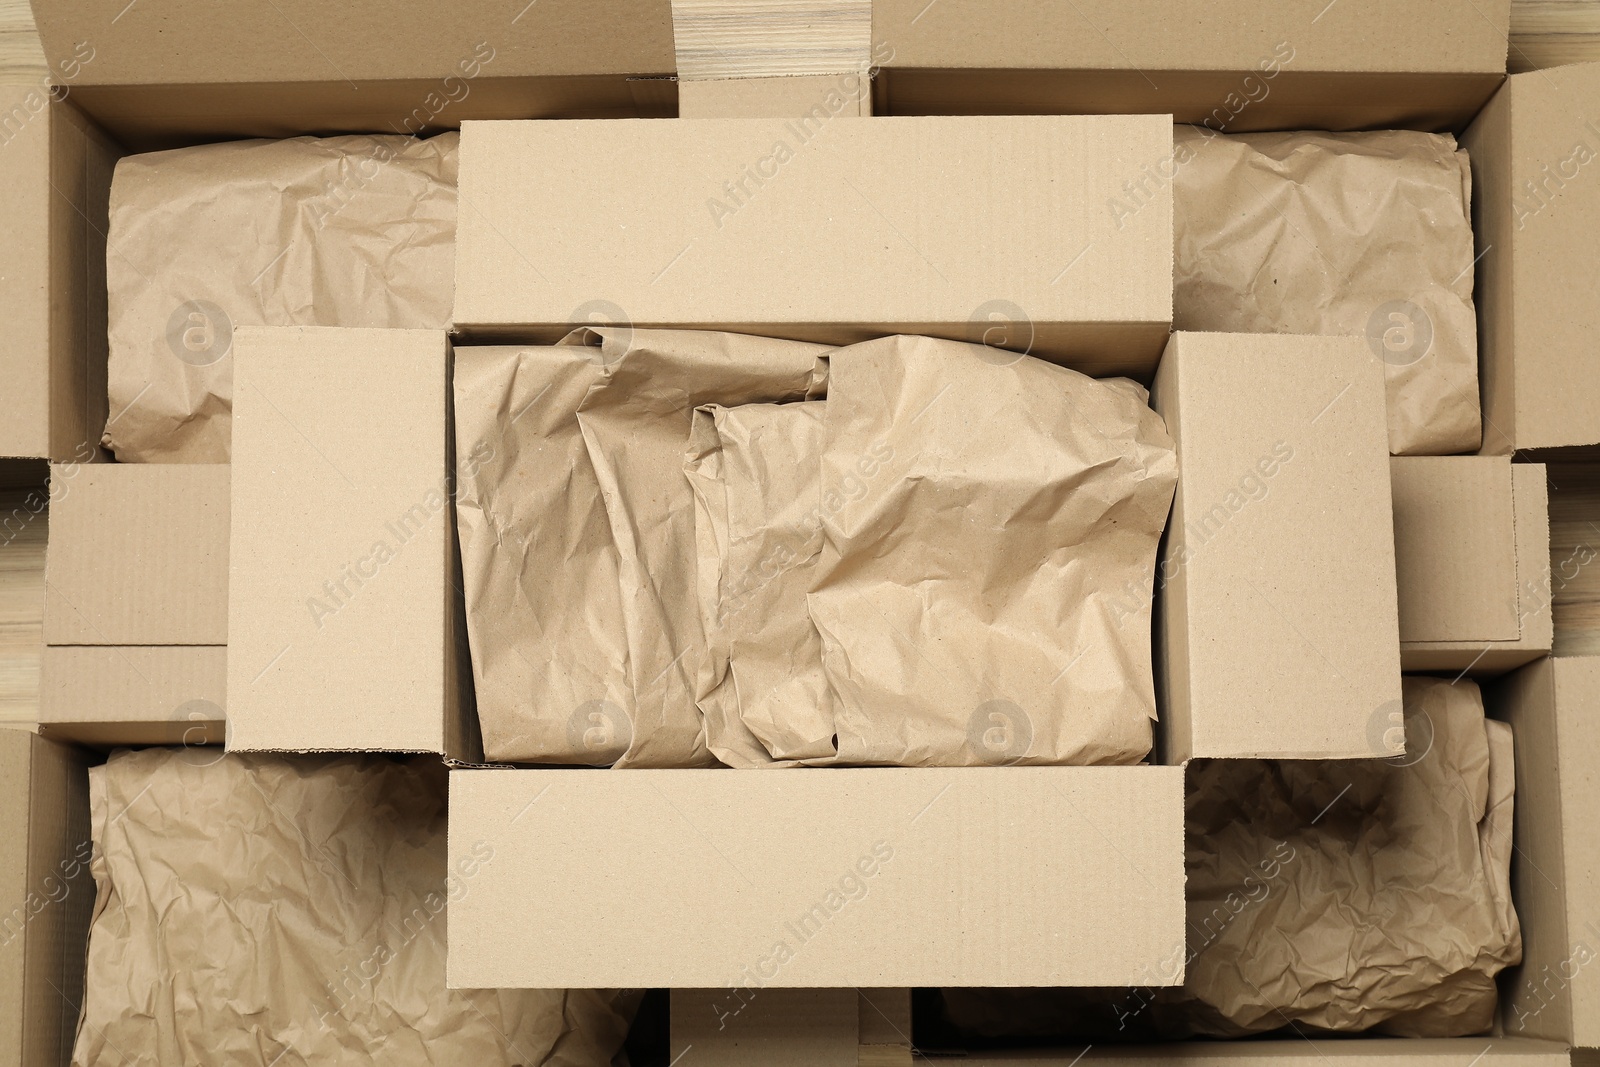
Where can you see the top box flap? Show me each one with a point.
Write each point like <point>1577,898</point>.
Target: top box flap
<point>1162,35</point>
<point>339,614</point>
<point>147,42</point>
<point>138,555</point>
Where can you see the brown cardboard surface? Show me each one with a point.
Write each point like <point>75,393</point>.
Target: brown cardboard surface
<point>138,555</point>
<point>1530,498</point>
<point>1554,707</point>
<point>811,877</point>
<point>341,568</point>
<point>352,43</point>
<point>130,694</point>
<point>47,894</point>
<point>893,226</point>
<point>1454,546</point>
<point>56,168</point>
<point>741,98</point>
<point>1537,205</point>
<point>1277,628</point>
<point>782,1027</point>
<point>1156,35</point>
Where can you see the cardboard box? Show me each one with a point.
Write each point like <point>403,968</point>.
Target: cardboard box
<point>1276,621</point>
<point>191,71</point>
<point>1257,65</point>
<point>1472,562</point>
<point>344,627</point>
<point>55,166</point>
<point>136,603</point>
<point>46,895</point>
<point>799,1027</point>
<point>1554,708</point>
<point>1531,149</point>
<point>823,231</point>
<point>862,877</point>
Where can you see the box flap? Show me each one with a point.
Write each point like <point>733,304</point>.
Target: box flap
<point>1455,548</point>
<point>1157,36</point>
<point>865,877</point>
<point>1276,609</point>
<point>360,41</point>
<point>341,550</point>
<point>1534,150</point>
<point>775,227</point>
<point>145,694</point>
<point>1577,713</point>
<point>138,555</point>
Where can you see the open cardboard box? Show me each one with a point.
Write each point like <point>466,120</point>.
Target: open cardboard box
<point>62,161</point>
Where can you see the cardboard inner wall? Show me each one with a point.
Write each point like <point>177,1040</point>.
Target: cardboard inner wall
<point>821,230</point>
<point>1276,623</point>
<point>862,877</point>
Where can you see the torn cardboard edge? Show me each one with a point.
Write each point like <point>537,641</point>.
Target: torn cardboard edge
<point>1519,583</point>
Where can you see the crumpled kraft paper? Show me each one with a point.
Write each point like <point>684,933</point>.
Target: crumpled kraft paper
<point>556,689</point>
<point>757,477</point>
<point>262,910</point>
<point>1337,896</point>
<point>1391,905</point>
<point>335,231</point>
<point>1339,233</point>
<point>984,516</point>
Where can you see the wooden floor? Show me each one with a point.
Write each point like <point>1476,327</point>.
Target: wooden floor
<point>1544,33</point>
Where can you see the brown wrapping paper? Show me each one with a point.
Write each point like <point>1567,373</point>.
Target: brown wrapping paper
<point>756,473</point>
<point>261,910</point>
<point>586,690</point>
<point>336,231</point>
<point>1339,233</point>
<point>984,516</point>
<point>1340,896</point>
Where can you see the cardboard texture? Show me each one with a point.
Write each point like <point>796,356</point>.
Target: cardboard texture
<point>743,98</point>
<point>345,964</point>
<point>1364,233</point>
<point>44,882</point>
<point>1472,562</point>
<point>1259,65</point>
<point>359,68</point>
<point>347,231</point>
<point>1554,708</point>
<point>1376,1052</point>
<point>1533,144</point>
<point>134,694</point>
<point>1006,876</point>
<point>929,568</point>
<point>799,1027</point>
<point>341,553</point>
<point>56,169</point>
<point>138,555</point>
<point>1276,619</point>
<point>771,227</point>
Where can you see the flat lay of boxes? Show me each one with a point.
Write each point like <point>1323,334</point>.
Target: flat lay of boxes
<point>804,533</point>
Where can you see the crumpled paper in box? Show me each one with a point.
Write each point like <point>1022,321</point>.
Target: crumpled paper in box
<point>578,498</point>
<point>1339,233</point>
<point>1340,896</point>
<point>336,231</point>
<point>264,910</point>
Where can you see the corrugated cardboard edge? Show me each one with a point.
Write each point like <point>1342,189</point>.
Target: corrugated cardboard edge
<point>1530,493</point>
<point>44,836</point>
<point>745,39</point>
